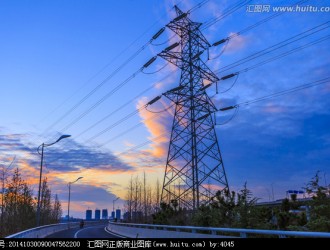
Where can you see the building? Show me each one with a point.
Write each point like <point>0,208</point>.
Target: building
<point>104,214</point>
<point>118,214</point>
<point>88,214</point>
<point>97,214</point>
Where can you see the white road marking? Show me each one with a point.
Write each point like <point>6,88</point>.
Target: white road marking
<point>109,232</point>
<point>105,229</point>
<point>76,234</point>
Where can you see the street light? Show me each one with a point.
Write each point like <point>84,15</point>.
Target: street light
<point>42,158</point>
<point>113,206</point>
<point>69,185</point>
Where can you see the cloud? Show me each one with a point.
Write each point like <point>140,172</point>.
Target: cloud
<point>272,108</point>
<point>104,173</point>
<point>213,8</point>
<point>236,44</point>
<point>69,157</point>
<point>85,197</point>
<point>158,126</point>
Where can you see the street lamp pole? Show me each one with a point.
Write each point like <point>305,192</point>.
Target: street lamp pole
<point>69,185</point>
<point>41,163</point>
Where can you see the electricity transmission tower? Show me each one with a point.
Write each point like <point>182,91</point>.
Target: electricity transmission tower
<point>194,168</point>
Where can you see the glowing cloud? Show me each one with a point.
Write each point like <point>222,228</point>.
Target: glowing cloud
<point>158,125</point>
<point>235,44</point>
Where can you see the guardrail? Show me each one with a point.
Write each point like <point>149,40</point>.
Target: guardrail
<point>166,231</point>
<point>43,231</point>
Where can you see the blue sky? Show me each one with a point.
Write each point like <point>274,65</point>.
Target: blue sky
<point>53,53</point>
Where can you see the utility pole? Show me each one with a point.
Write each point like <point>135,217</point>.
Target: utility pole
<point>194,165</point>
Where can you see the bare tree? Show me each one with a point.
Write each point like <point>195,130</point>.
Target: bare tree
<point>56,211</point>
<point>19,213</point>
<point>3,175</point>
<point>144,197</point>
<point>45,204</point>
<point>19,210</point>
<point>157,195</point>
<point>129,200</point>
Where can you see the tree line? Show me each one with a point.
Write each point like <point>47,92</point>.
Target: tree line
<point>231,209</point>
<point>142,200</point>
<point>19,205</point>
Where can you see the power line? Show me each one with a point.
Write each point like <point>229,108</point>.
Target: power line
<point>227,12</point>
<point>100,71</point>
<point>123,133</point>
<point>111,92</point>
<point>142,144</point>
<point>231,118</point>
<point>281,55</point>
<point>249,58</point>
<point>262,21</point>
<point>277,46</point>
<point>126,131</point>
<point>100,101</point>
<point>286,53</point>
<point>158,70</point>
<point>245,70</point>
<point>198,6</point>
<point>287,91</point>
<point>143,47</point>
<point>115,124</point>
<point>259,99</point>
<point>99,86</point>
<point>122,106</point>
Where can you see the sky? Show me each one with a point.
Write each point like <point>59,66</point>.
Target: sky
<point>70,67</point>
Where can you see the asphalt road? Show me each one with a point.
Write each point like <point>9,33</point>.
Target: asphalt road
<point>86,232</point>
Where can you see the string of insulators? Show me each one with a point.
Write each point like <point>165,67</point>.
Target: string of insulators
<point>227,108</point>
<point>228,76</point>
<point>154,100</point>
<point>206,86</point>
<point>176,89</point>
<point>172,46</point>
<point>183,15</point>
<point>198,54</point>
<point>158,33</point>
<point>220,42</point>
<point>203,117</point>
<point>147,64</point>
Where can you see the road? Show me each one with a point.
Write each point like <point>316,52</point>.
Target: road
<point>86,232</point>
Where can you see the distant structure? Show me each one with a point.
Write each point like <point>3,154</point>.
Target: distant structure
<point>104,214</point>
<point>113,214</point>
<point>118,214</point>
<point>88,214</point>
<point>97,214</point>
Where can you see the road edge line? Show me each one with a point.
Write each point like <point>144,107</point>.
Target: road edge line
<point>110,232</point>
<point>76,234</point>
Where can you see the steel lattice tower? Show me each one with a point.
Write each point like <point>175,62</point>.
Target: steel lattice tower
<point>194,168</point>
